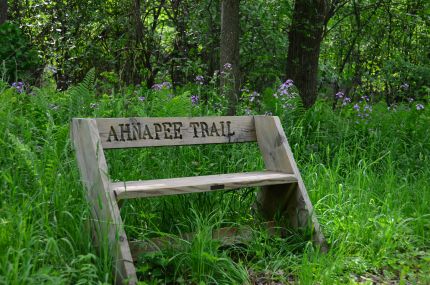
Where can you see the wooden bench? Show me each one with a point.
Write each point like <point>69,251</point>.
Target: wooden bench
<point>282,186</point>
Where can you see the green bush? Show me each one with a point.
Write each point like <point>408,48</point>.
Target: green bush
<point>18,59</point>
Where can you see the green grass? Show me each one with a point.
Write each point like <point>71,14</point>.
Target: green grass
<point>368,180</point>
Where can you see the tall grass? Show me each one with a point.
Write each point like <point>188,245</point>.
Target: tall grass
<point>368,180</point>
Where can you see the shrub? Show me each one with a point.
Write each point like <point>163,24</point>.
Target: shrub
<point>19,60</point>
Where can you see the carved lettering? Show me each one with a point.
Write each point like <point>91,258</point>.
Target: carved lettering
<point>169,130</point>
<point>125,129</point>
<point>195,125</point>
<point>214,130</point>
<point>146,133</point>
<point>158,129</point>
<point>137,131</point>
<point>222,129</point>
<point>112,133</point>
<point>177,130</point>
<point>229,133</point>
<point>205,129</point>
<point>166,127</point>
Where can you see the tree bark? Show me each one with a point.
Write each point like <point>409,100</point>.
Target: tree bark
<point>305,38</point>
<point>229,53</point>
<point>3,11</point>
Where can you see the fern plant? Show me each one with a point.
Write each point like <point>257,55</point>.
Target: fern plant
<point>82,94</point>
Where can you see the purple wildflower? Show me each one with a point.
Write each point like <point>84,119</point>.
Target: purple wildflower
<point>166,85</point>
<point>142,98</point>
<point>339,95</point>
<point>404,86</point>
<point>346,101</point>
<point>410,100</point>
<point>367,108</point>
<point>194,99</point>
<point>288,106</point>
<point>160,86</point>
<point>420,107</point>
<point>228,66</point>
<point>284,89</point>
<point>365,98</point>
<point>200,79</point>
<point>19,86</point>
<point>253,96</point>
<point>93,105</point>
<point>287,84</point>
<point>356,107</point>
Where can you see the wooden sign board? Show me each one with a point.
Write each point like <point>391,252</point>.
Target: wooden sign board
<point>145,132</point>
<point>282,186</point>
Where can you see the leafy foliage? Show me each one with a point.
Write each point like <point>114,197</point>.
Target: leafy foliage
<point>367,177</point>
<point>18,61</point>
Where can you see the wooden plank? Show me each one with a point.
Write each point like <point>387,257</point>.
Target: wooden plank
<point>173,186</point>
<point>146,132</point>
<point>292,199</point>
<point>108,224</point>
<point>227,236</point>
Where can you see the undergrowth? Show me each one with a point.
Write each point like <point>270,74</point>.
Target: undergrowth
<point>367,178</point>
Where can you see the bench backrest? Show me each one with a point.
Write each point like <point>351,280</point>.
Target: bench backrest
<point>148,132</point>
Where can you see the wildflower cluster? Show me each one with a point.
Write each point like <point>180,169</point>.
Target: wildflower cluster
<point>18,86</point>
<point>286,93</point>
<point>345,99</point>
<point>194,99</point>
<point>419,107</point>
<point>404,86</point>
<point>228,66</point>
<point>161,86</point>
<point>284,90</point>
<point>363,108</point>
<point>200,80</point>
<point>226,70</point>
<point>250,100</point>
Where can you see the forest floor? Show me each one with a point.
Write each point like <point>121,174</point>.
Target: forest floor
<point>367,177</point>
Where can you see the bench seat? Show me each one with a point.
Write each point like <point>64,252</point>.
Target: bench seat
<point>173,186</point>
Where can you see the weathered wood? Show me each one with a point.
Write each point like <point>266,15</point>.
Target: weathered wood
<point>173,186</point>
<point>283,188</point>
<point>292,199</point>
<point>146,132</point>
<point>227,236</point>
<point>105,212</point>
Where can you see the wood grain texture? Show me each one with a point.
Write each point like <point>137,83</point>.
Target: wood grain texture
<point>107,220</point>
<point>173,186</point>
<point>146,132</point>
<point>292,199</point>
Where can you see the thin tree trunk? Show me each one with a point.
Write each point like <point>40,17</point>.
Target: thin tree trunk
<point>138,21</point>
<point>305,38</point>
<point>229,53</point>
<point>3,11</point>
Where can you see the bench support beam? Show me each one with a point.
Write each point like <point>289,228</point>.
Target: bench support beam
<point>290,199</point>
<point>107,225</point>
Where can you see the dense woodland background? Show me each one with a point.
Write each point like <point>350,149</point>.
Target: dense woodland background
<point>349,79</point>
<point>372,48</point>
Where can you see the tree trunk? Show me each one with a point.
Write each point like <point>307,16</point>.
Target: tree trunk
<point>305,38</point>
<point>3,11</point>
<point>229,53</point>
